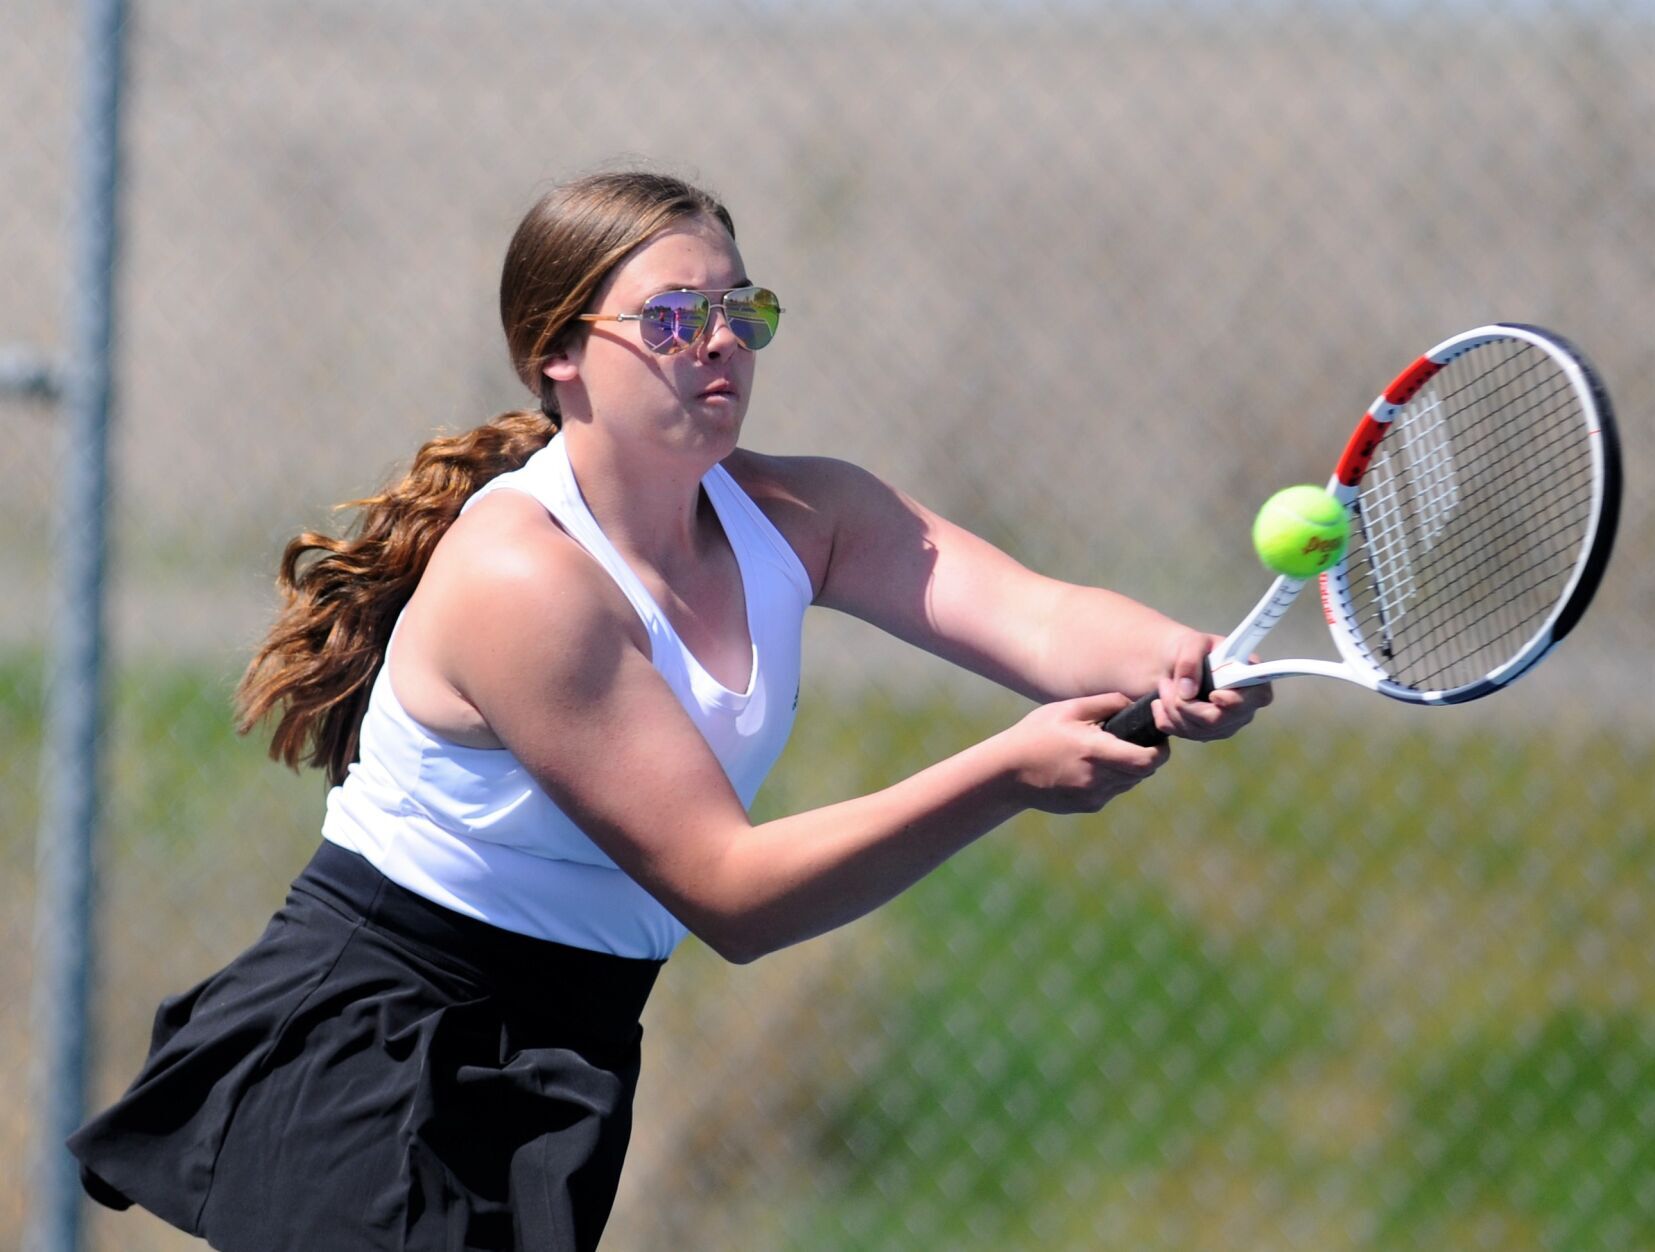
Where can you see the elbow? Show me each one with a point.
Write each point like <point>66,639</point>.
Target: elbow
<point>743,910</point>
<point>723,914</point>
<point>733,942</point>
<point>739,955</point>
<point>742,936</point>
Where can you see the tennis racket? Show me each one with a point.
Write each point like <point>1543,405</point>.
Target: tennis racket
<point>1482,488</point>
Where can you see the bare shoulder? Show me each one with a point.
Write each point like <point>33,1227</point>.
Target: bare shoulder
<point>807,498</point>
<point>509,598</point>
<point>807,480</point>
<point>507,561</point>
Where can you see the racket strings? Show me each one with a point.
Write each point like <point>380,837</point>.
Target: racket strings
<point>1419,456</point>
<point>1471,518</point>
<point>1515,541</point>
<point>1526,473</point>
<point>1476,624</point>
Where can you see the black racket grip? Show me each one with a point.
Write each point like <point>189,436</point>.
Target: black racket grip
<point>1136,722</point>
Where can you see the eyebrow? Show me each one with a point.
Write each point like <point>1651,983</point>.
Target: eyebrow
<point>744,282</point>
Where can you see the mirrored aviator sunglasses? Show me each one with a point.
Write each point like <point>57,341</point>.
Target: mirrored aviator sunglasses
<point>671,321</point>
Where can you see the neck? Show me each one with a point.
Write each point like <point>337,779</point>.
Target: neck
<point>646,500</point>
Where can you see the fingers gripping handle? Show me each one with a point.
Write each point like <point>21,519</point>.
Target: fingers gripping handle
<point>1136,722</point>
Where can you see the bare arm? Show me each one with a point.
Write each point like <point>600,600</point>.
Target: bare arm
<point>880,555</point>
<point>537,640</point>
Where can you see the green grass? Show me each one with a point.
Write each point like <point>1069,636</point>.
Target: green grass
<point>175,770</point>
<point>1277,997</point>
<point>21,698</point>
<point>1397,991</point>
<point>1008,1048</point>
<point>1552,1121</point>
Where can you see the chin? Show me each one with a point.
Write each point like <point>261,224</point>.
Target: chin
<point>719,417</point>
<point>723,441</point>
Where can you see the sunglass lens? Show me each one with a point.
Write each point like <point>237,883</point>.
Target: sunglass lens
<point>673,320</point>
<point>753,313</point>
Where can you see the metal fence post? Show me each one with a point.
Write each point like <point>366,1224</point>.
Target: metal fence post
<point>74,706</point>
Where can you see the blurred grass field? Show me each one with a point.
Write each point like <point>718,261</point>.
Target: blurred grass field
<point>1214,1016</point>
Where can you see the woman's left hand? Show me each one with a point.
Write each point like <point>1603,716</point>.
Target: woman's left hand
<point>1221,714</point>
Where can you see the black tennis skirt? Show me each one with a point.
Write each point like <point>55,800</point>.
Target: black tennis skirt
<point>380,1073</point>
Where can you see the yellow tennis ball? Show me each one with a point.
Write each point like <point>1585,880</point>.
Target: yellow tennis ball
<point>1300,531</point>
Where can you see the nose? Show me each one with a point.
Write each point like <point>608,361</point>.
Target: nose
<point>718,340</point>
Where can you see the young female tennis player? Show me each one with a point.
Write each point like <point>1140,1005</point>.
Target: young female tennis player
<point>546,676</point>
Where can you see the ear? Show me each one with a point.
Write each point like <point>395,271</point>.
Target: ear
<point>560,369</point>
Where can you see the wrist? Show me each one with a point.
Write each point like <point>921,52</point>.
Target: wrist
<point>1006,785</point>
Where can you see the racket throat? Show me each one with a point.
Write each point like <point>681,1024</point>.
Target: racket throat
<point>1244,640</point>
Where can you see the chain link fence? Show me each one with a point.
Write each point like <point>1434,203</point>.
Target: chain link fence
<point>1089,278</point>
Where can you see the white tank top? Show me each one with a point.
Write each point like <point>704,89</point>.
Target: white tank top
<point>471,830</point>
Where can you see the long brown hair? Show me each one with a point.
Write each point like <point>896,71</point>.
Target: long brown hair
<point>341,596</point>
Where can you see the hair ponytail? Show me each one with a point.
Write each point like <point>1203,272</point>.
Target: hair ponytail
<point>318,663</point>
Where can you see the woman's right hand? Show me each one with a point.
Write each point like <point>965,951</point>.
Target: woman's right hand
<point>1064,761</point>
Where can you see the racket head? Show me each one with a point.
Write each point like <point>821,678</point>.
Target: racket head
<point>1483,487</point>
